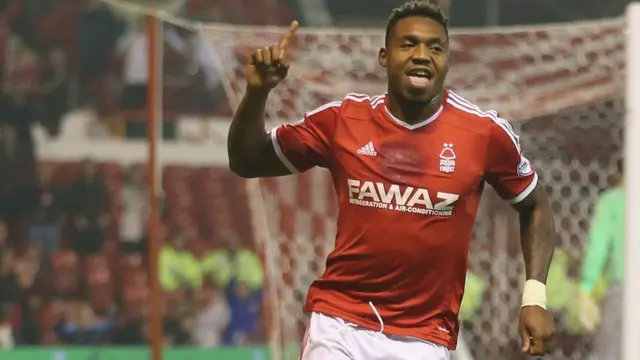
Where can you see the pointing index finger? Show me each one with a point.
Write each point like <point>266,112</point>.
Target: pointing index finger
<point>287,36</point>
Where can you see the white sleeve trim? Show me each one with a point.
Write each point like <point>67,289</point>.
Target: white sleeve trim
<point>526,191</point>
<point>280,153</point>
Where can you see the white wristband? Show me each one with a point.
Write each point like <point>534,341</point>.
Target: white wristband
<point>534,294</point>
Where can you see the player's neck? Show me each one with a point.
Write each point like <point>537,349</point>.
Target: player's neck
<point>412,112</point>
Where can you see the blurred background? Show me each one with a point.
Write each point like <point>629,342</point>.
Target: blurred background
<point>82,79</point>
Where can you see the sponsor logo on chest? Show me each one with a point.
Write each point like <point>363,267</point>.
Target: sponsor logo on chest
<point>404,199</point>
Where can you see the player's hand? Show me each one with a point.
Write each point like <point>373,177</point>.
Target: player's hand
<point>537,330</point>
<point>267,67</point>
<point>589,312</point>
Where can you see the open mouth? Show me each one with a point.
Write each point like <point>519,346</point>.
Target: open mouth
<point>420,77</point>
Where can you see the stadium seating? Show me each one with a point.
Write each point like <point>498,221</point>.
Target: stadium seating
<point>207,202</point>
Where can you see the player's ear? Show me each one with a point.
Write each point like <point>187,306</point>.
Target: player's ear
<point>382,57</point>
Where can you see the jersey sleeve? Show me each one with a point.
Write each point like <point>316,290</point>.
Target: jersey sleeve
<point>307,143</point>
<point>507,170</point>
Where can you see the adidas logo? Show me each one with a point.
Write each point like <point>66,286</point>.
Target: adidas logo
<point>368,150</point>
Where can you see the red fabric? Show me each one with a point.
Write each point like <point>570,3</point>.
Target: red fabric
<point>408,197</point>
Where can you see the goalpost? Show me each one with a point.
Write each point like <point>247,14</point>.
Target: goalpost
<point>631,305</point>
<point>562,85</point>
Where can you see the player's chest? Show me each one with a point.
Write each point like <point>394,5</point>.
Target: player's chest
<point>436,158</point>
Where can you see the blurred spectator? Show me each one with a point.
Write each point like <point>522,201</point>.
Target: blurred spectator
<point>234,261</point>
<point>176,330</point>
<point>27,266</point>
<point>44,231</point>
<point>211,319</point>
<point>18,180</point>
<point>82,326</point>
<point>177,326</point>
<point>27,330</point>
<point>9,292</point>
<point>98,32</point>
<point>132,329</point>
<point>54,92</point>
<point>134,45</point>
<point>178,268</point>
<point>6,336</point>
<point>245,304</point>
<point>135,211</point>
<point>90,210</point>
<point>135,75</point>
<point>4,245</point>
<point>17,273</point>
<point>9,287</point>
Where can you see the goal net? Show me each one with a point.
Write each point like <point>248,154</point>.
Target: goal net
<point>561,85</point>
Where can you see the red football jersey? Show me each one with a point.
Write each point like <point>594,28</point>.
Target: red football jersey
<point>408,196</point>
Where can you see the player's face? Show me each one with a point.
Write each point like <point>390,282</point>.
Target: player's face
<point>416,58</point>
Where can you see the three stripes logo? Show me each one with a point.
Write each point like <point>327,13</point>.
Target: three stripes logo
<point>368,150</point>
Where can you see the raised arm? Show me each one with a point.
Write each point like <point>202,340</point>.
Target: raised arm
<point>251,152</point>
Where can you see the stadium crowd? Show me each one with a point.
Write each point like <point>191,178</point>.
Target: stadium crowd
<point>78,274</point>
<point>73,235</point>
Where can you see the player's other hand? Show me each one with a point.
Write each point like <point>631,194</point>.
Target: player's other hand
<point>267,67</point>
<point>537,330</point>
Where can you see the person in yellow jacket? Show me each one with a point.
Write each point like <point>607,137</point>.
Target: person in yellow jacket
<point>234,261</point>
<point>177,267</point>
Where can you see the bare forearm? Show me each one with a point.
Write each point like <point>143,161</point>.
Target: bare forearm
<point>537,235</point>
<point>251,153</point>
<point>247,134</point>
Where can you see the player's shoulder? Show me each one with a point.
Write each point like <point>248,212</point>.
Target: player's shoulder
<point>330,107</point>
<point>473,116</point>
<point>353,105</point>
<point>364,100</point>
<point>360,106</point>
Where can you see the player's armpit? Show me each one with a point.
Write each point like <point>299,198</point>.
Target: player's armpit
<point>249,147</point>
<point>267,164</point>
<point>537,233</point>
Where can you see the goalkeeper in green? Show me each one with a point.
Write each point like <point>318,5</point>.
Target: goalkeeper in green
<point>604,260</point>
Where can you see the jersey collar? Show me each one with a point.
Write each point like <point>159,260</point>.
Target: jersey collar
<point>420,124</point>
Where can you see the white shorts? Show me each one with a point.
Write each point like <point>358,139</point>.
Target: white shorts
<point>330,338</point>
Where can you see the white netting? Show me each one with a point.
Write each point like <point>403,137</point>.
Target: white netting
<point>564,83</point>
<point>523,72</point>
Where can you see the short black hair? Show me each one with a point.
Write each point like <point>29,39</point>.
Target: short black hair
<point>422,8</point>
